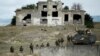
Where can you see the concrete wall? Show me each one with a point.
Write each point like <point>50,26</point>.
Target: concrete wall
<point>21,14</point>
<point>69,51</point>
<point>52,21</point>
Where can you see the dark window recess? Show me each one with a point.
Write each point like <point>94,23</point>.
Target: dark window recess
<point>28,16</point>
<point>55,6</point>
<point>43,21</point>
<point>77,17</point>
<point>44,13</point>
<point>55,14</point>
<point>44,6</point>
<point>24,25</point>
<point>66,17</point>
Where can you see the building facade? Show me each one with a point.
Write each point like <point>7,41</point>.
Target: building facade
<point>49,13</point>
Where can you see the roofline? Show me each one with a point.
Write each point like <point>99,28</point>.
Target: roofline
<point>19,10</point>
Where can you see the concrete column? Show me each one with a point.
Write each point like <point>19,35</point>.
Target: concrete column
<point>49,15</point>
<point>49,6</point>
<point>83,18</point>
<point>70,19</point>
<point>18,20</point>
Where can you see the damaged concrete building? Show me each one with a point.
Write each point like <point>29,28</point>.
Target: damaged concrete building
<point>49,13</point>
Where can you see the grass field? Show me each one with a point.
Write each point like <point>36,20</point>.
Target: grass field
<point>96,30</point>
<point>18,36</point>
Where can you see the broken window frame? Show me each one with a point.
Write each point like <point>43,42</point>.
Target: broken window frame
<point>76,17</point>
<point>77,20</point>
<point>44,6</point>
<point>55,15</point>
<point>55,6</point>
<point>43,21</point>
<point>44,13</point>
<point>66,20</point>
<point>27,18</point>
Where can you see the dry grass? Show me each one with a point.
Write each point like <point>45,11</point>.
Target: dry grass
<point>96,30</point>
<point>21,35</point>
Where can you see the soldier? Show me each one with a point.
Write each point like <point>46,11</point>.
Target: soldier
<point>48,44</point>
<point>61,40</point>
<point>12,49</point>
<point>68,38</point>
<point>21,49</point>
<point>37,45</point>
<point>42,45</point>
<point>31,48</point>
<point>57,43</point>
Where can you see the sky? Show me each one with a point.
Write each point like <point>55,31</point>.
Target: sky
<point>8,7</point>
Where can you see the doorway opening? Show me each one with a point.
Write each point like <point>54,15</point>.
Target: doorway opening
<point>66,17</point>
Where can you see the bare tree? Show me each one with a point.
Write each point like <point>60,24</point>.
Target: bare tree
<point>76,6</point>
<point>79,7</point>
